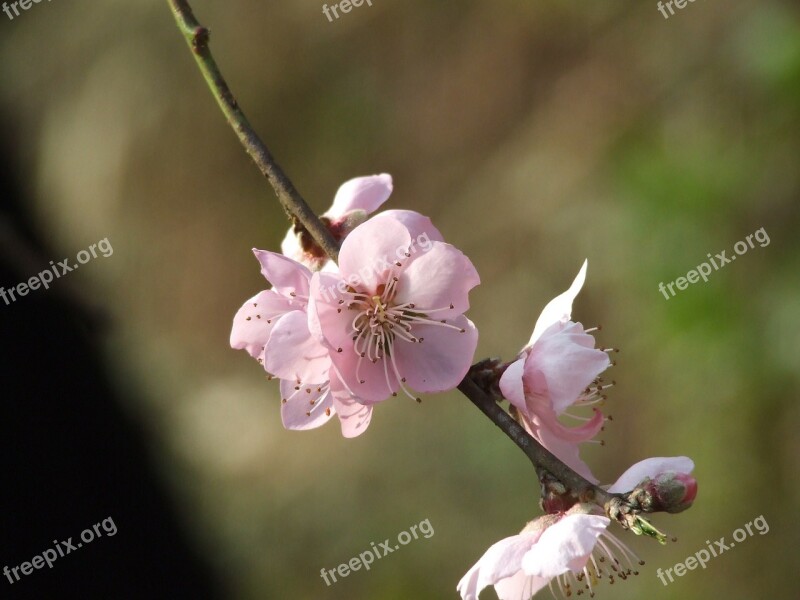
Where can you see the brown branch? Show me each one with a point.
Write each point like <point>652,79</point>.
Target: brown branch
<point>197,37</point>
<point>543,460</point>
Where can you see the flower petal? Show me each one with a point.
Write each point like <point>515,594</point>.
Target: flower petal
<point>419,226</point>
<point>566,451</point>
<point>502,560</point>
<point>298,404</point>
<point>650,468</point>
<point>293,353</point>
<point>519,586</point>
<point>442,360</point>
<point>361,193</point>
<point>253,322</point>
<point>370,252</point>
<point>439,278</point>
<point>354,417</point>
<point>286,275</point>
<point>564,546</point>
<point>562,363</point>
<point>559,309</point>
<point>511,384</point>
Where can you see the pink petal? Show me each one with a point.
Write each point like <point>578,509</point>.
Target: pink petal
<point>567,452</point>
<point>294,412</point>
<point>439,278</point>
<point>546,417</point>
<point>253,322</point>
<point>519,586</point>
<point>370,252</point>
<point>419,226</point>
<point>511,384</point>
<point>502,560</point>
<point>361,193</point>
<point>293,353</point>
<point>561,364</point>
<point>559,309</point>
<point>354,417</point>
<point>440,362</point>
<point>286,275</point>
<point>650,468</point>
<point>564,546</point>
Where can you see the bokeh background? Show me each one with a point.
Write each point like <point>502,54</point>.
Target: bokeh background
<point>535,134</point>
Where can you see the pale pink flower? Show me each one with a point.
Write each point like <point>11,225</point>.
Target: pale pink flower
<point>572,549</point>
<point>354,200</point>
<point>569,548</point>
<point>273,328</point>
<point>558,369</point>
<point>392,315</point>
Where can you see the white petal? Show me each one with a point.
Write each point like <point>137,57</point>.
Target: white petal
<point>650,468</point>
<point>559,309</point>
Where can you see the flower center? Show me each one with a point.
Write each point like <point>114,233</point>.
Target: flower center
<point>379,323</point>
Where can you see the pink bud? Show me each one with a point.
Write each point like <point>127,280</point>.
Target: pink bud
<point>671,492</point>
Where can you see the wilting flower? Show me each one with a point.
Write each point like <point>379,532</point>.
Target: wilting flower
<point>273,327</point>
<point>572,549</point>
<point>392,315</point>
<point>558,369</point>
<point>354,201</point>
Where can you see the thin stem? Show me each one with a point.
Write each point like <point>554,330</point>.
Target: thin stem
<point>538,454</point>
<point>197,37</point>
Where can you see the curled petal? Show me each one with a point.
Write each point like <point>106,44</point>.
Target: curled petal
<point>559,309</point>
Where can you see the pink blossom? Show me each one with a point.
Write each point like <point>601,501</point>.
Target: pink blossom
<point>354,200</point>
<point>392,315</point>
<point>273,328</point>
<point>572,549</point>
<point>558,369</point>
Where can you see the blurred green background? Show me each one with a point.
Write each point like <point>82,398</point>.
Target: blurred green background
<point>535,134</point>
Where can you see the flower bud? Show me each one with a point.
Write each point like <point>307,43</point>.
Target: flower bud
<point>669,492</point>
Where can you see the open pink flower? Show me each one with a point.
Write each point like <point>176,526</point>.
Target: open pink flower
<point>354,200</point>
<point>392,316</point>
<point>558,369</point>
<point>572,549</point>
<point>273,328</point>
